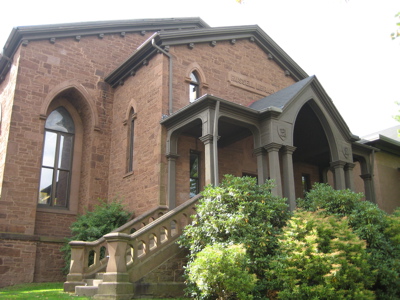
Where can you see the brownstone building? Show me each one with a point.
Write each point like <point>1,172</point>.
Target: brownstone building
<point>151,111</point>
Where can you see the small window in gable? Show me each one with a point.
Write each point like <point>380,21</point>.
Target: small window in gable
<point>131,137</point>
<point>55,176</point>
<point>194,87</point>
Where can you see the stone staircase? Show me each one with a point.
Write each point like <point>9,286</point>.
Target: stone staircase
<point>139,259</point>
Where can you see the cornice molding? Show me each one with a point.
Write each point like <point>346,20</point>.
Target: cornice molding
<point>23,34</point>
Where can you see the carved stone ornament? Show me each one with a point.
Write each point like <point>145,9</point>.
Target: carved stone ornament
<point>346,151</point>
<point>282,133</point>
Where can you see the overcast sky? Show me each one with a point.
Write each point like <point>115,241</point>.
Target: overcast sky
<point>346,44</point>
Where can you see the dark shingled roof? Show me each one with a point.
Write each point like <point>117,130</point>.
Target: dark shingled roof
<point>282,97</point>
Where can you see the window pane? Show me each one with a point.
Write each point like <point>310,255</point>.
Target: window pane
<point>193,78</point>
<point>194,187</point>
<point>46,178</point>
<point>193,92</point>
<point>49,151</point>
<point>194,165</point>
<point>65,154</point>
<point>60,120</point>
<point>61,194</point>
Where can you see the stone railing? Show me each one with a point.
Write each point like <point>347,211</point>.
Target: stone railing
<point>131,256</point>
<point>132,245</point>
<point>88,258</point>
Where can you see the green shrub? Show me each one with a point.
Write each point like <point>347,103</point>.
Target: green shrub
<point>377,228</point>
<point>220,271</point>
<point>238,211</point>
<point>92,225</point>
<point>320,258</point>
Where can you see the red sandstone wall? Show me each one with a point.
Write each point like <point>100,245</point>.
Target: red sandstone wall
<point>7,91</point>
<point>142,188</point>
<point>43,69</point>
<point>17,261</point>
<point>244,58</point>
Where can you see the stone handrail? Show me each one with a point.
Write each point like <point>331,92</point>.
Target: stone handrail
<point>142,245</point>
<point>81,267</point>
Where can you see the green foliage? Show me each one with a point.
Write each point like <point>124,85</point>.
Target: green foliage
<point>92,225</point>
<point>320,258</point>
<point>323,196</point>
<point>368,222</point>
<point>220,271</point>
<point>396,34</point>
<point>238,211</point>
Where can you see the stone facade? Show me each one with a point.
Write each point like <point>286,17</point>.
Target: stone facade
<point>258,114</point>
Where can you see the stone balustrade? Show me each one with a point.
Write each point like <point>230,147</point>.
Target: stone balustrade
<point>139,239</point>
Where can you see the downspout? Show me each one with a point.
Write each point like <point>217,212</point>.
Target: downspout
<point>170,75</point>
<point>372,176</point>
<point>215,144</point>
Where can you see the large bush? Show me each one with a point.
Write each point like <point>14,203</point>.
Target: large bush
<point>238,211</point>
<point>320,258</point>
<point>380,231</point>
<point>220,271</point>
<point>92,225</point>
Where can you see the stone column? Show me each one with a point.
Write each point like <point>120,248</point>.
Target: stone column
<point>274,167</point>
<point>262,172</point>
<point>369,194</point>
<point>338,174</point>
<point>172,180</point>
<point>348,175</point>
<point>208,158</point>
<point>289,191</point>
<point>116,283</point>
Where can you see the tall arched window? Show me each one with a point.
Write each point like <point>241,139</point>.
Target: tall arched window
<point>58,148</point>
<point>194,87</point>
<point>131,137</point>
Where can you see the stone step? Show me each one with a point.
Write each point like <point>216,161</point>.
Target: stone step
<point>87,291</point>
<point>93,282</point>
<point>99,275</point>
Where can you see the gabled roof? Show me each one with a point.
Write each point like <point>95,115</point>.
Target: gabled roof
<point>24,34</point>
<point>282,97</point>
<point>165,39</point>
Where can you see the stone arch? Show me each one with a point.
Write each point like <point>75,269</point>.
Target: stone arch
<point>323,120</point>
<point>67,88</point>
<point>132,105</point>
<point>195,67</point>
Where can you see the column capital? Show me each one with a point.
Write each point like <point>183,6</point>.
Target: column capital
<point>288,149</point>
<point>207,139</point>
<point>259,151</point>
<point>366,176</point>
<point>172,156</point>
<point>338,164</point>
<point>272,147</point>
<point>349,166</point>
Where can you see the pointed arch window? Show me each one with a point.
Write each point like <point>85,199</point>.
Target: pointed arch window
<point>194,87</point>
<point>131,138</point>
<point>55,176</point>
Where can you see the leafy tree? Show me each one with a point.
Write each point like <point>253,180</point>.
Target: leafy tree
<point>220,271</point>
<point>238,211</point>
<point>92,225</point>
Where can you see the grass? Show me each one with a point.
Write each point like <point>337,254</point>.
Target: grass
<point>49,291</point>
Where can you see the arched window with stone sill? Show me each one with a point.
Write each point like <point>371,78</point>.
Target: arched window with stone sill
<point>58,148</point>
